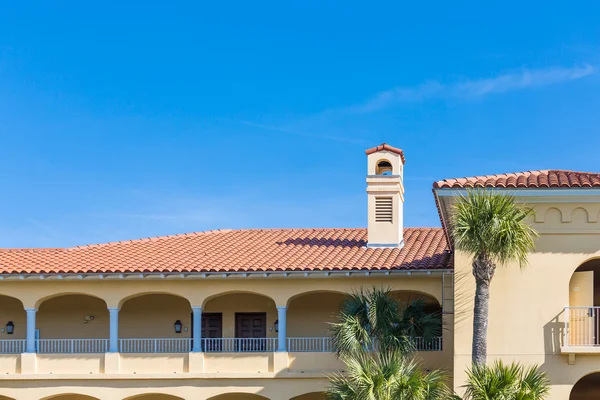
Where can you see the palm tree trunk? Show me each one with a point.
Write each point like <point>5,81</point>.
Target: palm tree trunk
<point>480,321</point>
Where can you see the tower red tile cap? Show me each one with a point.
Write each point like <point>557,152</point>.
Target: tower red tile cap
<point>386,147</point>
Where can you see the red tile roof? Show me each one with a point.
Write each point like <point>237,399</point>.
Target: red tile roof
<point>238,251</point>
<point>385,146</point>
<point>528,179</point>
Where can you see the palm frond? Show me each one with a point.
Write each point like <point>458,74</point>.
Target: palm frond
<point>386,375</point>
<point>376,320</point>
<point>506,382</point>
<point>488,223</point>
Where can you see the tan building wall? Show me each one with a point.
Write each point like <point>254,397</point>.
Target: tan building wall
<point>230,304</point>
<point>154,316</point>
<point>526,316</point>
<point>64,317</point>
<point>148,308</point>
<point>11,309</point>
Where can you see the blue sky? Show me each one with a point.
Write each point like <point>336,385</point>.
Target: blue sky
<point>121,120</point>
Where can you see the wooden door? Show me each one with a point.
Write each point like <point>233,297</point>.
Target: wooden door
<point>212,328</point>
<point>250,326</point>
<point>582,318</point>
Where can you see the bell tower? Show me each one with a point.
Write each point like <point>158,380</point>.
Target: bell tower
<point>385,191</point>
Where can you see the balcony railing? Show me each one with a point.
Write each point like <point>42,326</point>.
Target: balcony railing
<point>239,345</point>
<point>12,346</point>
<point>155,345</point>
<point>242,345</point>
<point>325,344</point>
<point>433,344</point>
<point>583,326</point>
<point>72,345</point>
<point>310,344</point>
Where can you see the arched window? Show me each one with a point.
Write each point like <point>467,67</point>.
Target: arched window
<point>384,167</point>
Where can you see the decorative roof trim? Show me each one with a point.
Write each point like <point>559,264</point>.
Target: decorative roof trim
<point>524,192</point>
<point>224,275</point>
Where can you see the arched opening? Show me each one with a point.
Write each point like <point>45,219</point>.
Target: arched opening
<point>154,396</point>
<point>238,396</point>
<point>6,398</point>
<point>584,305</point>
<point>70,396</point>
<point>239,322</point>
<point>406,297</point>
<point>432,321</point>
<point>587,388</point>
<point>61,320</point>
<point>14,325</point>
<point>384,167</point>
<point>155,323</point>
<point>309,318</point>
<point>310,396</point>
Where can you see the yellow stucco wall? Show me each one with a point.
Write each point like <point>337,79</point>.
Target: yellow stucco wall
<point>11,309</point>
<point>230,304</point>
<point>153,316</point>
<point>64,317</point>
<point>526,318</point>
<point>148,308</point>
<point>167,389</point>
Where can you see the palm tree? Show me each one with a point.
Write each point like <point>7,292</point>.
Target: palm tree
<point>374,337</point>
<point>493,230</point>
<point>506,382</point>
<point>375,319</point>
<point>386,376</point>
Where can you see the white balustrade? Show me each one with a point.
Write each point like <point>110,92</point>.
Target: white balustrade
<point>155,345</point>
<point>71,345</point>
<point>12,346</point>
<point>433,344</point>
<point>238,345</point>
<point>310,344</point>
<point>325,344</point>
<point>582,326</point>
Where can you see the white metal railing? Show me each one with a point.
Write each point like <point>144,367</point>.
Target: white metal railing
<point>239,345</point>
<point>72,345</point>
<point>582,326</point>
<point>433,344</point>
<point>310,344</point>
<point>325,344</point>
<point>12,346</point>
<point>155,345</point>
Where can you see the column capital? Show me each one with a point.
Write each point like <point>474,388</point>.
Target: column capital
<point>196,308</point>
<point>117,309</point>
<point>29,309</point>
<point>281,307</point>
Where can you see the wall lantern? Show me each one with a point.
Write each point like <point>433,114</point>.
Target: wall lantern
<point>177,326</point>
<point>10,328</point>
<point>276,324</point>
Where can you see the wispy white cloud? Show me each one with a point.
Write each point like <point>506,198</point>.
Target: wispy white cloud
<point>475,88</point>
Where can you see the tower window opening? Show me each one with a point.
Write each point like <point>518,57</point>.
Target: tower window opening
<point>384,167</point>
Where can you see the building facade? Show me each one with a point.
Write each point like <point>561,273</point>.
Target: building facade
<point>245,314</point>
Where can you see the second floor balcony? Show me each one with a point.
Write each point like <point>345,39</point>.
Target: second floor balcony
<point>232,332</point>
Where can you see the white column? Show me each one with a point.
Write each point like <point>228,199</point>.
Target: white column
<point>30,343</point>
<point>197,329</point>
<point>113,341</point>
<point>282,335</point>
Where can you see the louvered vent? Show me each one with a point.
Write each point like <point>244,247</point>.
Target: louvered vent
<point>384,209</point>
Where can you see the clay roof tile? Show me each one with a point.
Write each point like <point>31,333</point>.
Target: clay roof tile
<point>237,251</point>
<point>527,179</point>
